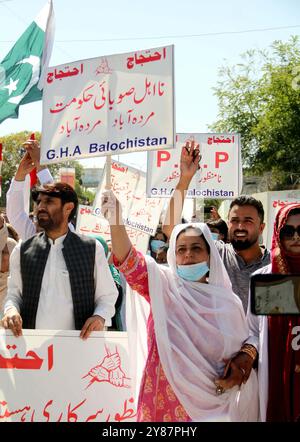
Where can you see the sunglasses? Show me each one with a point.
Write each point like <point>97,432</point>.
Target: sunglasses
<point>289,231</point>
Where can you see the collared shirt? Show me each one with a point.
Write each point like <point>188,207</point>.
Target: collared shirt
<point>238,271</point>
<point>55,308</point>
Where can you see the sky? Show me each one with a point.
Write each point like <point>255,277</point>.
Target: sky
<point>206,36</point>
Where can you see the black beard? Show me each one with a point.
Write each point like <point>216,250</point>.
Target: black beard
<point>46,224</point>
<point>242,245</point>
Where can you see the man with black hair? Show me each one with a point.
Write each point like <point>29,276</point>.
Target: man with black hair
<point>55,280</point>
<point>243,255</point>
<point>16,196</point>
<point>274,337</point>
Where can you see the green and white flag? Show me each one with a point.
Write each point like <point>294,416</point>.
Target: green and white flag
<point>23,69</point>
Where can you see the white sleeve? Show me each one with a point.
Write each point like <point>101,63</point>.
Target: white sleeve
<point>106,292</point>
<point>253,324</point>
<point>45,176</point>
<point>254,321</point>
<point>14,281</point>
<point>16,212</point>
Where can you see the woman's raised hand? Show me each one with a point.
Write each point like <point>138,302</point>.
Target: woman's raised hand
<point>189,160</point>
<point>111,208</point>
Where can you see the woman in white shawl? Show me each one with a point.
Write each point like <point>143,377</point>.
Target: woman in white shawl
<point>196,323</point>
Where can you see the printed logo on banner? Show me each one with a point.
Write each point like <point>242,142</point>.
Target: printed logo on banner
<point>109,370</point>
<point>74,380</point>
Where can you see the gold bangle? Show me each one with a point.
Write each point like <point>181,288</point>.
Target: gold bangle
<point>250,350</point>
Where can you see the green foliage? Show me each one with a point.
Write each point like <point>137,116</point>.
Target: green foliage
<point>84,196</point>
<point>12,154</point>
<point>209,202</point>
<point>260,99</point>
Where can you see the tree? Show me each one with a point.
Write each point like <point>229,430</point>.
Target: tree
<point>12,154</point>
<point>260,99</point>
<point>83,194</point>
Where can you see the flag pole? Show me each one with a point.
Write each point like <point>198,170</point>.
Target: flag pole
<point>108,172</point>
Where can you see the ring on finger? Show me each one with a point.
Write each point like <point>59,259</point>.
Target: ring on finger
<point>219,390</point>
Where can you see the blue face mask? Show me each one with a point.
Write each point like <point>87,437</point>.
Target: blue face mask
<point>156,244</point>
<point>193,272</point>
<point>215,236</point>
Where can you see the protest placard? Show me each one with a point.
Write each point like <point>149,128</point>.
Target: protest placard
<point>54,376</point>
<point>220,173</point>
<point>109,105</point>
<point>129,186</point>
<point>89,224</point>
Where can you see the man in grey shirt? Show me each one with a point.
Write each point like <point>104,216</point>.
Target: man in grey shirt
<point>243,255</point>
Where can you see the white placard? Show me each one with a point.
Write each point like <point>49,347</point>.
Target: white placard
<point>129,186</point>
<point>54,376</point>
<point>109,105</point>
<point>91,225</point>
<point>220,175</point>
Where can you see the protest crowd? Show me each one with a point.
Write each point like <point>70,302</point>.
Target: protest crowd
<point>200,327</point>
<point>203,355</point>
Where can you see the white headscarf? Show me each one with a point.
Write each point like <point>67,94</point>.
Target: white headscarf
<point>197,326</point>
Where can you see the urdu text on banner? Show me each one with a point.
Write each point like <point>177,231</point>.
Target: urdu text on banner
<point>109,105</point>
<point>54,376</point>
<point>91,225</point>
<point>141,215</point>
<point>129,186</point>
<point>220,173</point>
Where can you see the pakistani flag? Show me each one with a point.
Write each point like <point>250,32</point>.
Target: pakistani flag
<point>22,70</point>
